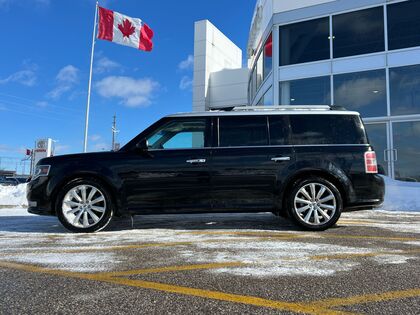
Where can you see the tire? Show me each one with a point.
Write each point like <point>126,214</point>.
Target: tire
<point>317,209</point>
<point>84,212</point>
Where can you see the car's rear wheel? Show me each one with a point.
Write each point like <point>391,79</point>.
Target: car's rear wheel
<point>84,206</point>
<point>315,204</point>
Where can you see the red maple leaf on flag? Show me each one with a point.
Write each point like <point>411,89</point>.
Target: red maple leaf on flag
<point>126,28</point>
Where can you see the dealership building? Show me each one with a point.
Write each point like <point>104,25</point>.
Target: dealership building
<point>360,54</point>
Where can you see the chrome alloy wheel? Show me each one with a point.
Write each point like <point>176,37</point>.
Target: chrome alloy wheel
<point>315,204</point>
<point>83,206</point>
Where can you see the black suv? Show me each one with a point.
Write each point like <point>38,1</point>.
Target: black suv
<point>306,163</point>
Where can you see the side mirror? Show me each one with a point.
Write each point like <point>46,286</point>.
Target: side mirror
<point>142,145</point>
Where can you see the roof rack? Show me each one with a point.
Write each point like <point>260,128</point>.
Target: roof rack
<point>281,107</point>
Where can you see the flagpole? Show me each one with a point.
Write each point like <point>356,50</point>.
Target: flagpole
<point>90,80</point>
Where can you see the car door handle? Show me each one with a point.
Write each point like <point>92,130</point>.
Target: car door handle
<point>280,158</point>
<point>196,161</point>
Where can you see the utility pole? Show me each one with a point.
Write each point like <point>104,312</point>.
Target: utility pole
<point>114,131</point>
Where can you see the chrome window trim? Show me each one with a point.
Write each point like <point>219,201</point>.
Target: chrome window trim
<point>267,146</point>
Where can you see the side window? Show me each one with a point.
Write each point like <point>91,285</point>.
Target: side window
<point>279,130</point>
<point>179,134</point>
<point>327,129</point>
<point>243,131</point>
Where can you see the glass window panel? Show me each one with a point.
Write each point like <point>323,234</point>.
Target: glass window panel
<point>364,92</point>
<point>378,139</point>
<point>313,91</point>
<point>259,71</point>
<point>327,129</point>
<point>359,32</point>
<point>406,141</point>
<point>405,90</point>
<point>243,131</point>
<point>268,97</point>
<point>304,42</point>
<point>268,56</point>
<point>253,83</point>
<point>404,24</point>
<point>179,134</point>
<point>279,130</point>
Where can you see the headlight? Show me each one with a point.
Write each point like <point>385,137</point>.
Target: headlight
<point>41,170</point>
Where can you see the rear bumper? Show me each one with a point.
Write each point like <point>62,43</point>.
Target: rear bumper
<point>369,192</point>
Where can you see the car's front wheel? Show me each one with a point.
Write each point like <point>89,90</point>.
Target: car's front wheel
<point>84,206</point>
<point>315,204</point>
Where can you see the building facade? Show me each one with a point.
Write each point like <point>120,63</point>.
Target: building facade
<point>360,54</point>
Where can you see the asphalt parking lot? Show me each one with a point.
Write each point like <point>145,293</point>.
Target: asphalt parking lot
<point>222,264</point>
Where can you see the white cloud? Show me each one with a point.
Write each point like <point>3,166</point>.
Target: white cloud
<point>360,92</point>
<point>132,92</point>
<point>95,137</point>
<point>186,64</point>
<point>185,83</point>
<point>68,74</point>
<point>61,148</point>
<point>105,64</point>
<point>66,79</point>
<point>26,77</point>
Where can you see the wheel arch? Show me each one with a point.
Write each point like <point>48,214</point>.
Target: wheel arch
<point>87,175</point>
<point>342,184</point>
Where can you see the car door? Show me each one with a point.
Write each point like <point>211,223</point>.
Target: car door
<point>173,174</point>
<point>245,169</point>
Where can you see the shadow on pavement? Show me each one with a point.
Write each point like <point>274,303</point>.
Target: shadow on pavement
<point>237,221</point>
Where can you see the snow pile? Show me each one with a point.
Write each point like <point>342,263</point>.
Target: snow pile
<point>13,195</point>
<point>401,196</point>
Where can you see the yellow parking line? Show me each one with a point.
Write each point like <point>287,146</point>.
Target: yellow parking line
<point>368,298</point>
<point>356,255</point>
<point>172,269</point>
<point>228,297</point>
<point>187,291</point>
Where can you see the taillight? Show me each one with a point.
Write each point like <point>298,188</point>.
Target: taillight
<point>371,166</point>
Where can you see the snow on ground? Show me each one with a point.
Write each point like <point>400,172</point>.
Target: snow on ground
<point>13,195</point>
<point>401,196</point>
<point>32,239</point>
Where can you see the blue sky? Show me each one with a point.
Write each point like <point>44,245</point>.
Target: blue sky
<point>45,55</point>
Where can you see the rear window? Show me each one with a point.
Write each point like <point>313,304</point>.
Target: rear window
<point>237,131</point>
<point>327,129</point>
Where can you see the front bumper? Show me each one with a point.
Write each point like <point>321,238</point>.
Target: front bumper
<point>39,201</point>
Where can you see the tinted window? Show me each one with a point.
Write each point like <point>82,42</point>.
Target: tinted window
<point>359,32</point>
<point>179,134</point>
<point>405,90</point>
<point>268,56</point>
<point>327,129</point>
<point>364,92</point>
<point>304,42</point>
<point>243,131</point>
<point>279,130</point>
<point>314,91</point>
<point>404,24</point>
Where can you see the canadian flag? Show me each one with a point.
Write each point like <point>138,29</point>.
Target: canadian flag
<point>124,30</point>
